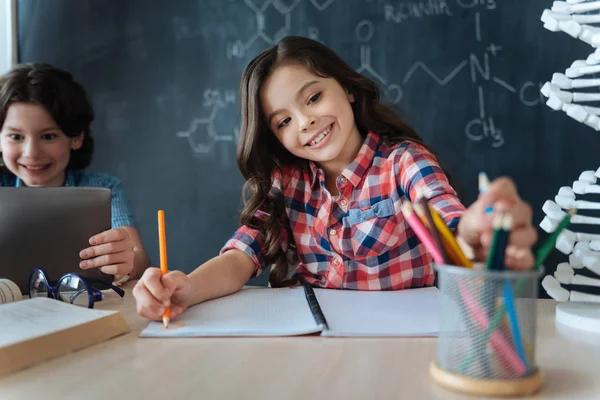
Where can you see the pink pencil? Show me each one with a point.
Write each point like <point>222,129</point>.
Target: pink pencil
<point>421,232</point>
<point>499,343</point>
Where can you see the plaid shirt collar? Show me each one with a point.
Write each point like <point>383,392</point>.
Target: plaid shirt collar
<point>357,168</point>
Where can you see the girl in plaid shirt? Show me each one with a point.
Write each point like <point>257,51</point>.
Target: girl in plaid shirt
<point>327,166</point>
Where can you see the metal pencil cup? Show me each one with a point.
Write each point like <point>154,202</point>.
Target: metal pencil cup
<point>487,331</point>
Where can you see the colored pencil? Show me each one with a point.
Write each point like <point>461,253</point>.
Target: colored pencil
<point>541,255</point>
<point>488,292</point>
<point>449,256</point>
<point>548,245</point>
<point>511,310</point>
<point>421,232</point>
<point>499,343</point>
<point>448,237</point>
<point>473,309</point>
<point>164,269</point>
<point>422,210</point>
<point>509,297</point>
<point>484,182</point>
<point>496,238</point>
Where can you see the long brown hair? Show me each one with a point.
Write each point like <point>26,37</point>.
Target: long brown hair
<point>260,154</point>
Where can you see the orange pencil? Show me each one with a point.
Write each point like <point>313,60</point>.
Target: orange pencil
<point>162,245</point>
<point>448,238</point>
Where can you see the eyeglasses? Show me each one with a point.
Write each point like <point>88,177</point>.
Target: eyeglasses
<point>71,288</point>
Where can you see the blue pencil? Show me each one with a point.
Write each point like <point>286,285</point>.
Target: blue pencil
<point>497,263</point>
<point>509,298</point>
<point>511,310</point>
<point>484,182</point>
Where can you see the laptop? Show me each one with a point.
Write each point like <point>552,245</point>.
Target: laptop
<point>47,227</point>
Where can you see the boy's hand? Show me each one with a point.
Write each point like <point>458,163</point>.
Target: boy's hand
<point>153,292</point>
<point>111,251</point>
<point>476,230</point>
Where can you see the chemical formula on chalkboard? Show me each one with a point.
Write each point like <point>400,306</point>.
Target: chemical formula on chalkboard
<point>273,21</point>
<point>164,81</point>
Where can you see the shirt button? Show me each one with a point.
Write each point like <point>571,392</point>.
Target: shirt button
<point>343,179</point>
<point>336,261</point>
<point>332,232</point>
<point>344,202</point>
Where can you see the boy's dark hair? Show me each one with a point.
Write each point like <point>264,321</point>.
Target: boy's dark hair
<point>64,99</point>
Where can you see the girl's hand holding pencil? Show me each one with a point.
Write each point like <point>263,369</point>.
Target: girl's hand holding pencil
<point>155,292</point>
<point>476,228</point>
<point>161,294</point>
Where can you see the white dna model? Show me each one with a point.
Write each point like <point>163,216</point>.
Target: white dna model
<point>577,309</point>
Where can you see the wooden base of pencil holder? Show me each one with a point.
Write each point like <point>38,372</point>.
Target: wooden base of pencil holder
<point>483,387</point>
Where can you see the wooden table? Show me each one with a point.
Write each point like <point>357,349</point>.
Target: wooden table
<point>303,368</point>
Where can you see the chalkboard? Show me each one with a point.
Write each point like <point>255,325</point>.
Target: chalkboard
<point>163,77</point>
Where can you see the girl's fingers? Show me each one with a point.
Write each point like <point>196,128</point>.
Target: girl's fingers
<point>519,258</point>
<point>523,237</point>
<point>486,238</point>
<point>515,257</point>
<point>522,234</point>
<point>178,285</point>
<point>176,311</point>
<point>481,253</point>
<point>147,306</point>
<point>152,281</point>
<point>174,280</point>
<point>501,193</point>
<point>522,215</point>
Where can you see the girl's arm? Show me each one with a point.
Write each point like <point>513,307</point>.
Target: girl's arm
<point>420,173</point>
<point>222,275</point>
<point>239,260</point>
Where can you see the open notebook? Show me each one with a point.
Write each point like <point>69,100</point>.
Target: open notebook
<point>303,310</point>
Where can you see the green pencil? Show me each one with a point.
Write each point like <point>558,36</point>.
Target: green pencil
<point>497,225</point>
<point>548,246</point>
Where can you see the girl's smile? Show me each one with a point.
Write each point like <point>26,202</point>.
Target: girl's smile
<point>321,138</point>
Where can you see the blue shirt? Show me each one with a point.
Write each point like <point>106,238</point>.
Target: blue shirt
<point>121,209</point>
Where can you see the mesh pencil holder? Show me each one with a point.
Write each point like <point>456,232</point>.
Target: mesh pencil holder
<point>487,335</point>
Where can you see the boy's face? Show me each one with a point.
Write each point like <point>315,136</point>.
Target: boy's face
<point>33,146</point>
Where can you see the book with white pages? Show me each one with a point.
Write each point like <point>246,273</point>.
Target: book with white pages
<point>303,310</point>
<point>38,329</point>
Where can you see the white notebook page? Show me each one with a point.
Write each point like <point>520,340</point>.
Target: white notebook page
<point>249,312</point>
<point>409,312</point>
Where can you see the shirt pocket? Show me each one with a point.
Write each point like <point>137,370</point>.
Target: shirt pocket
<point>373,230</point>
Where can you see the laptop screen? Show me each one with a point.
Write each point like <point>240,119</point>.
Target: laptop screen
<point>47,227</point>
